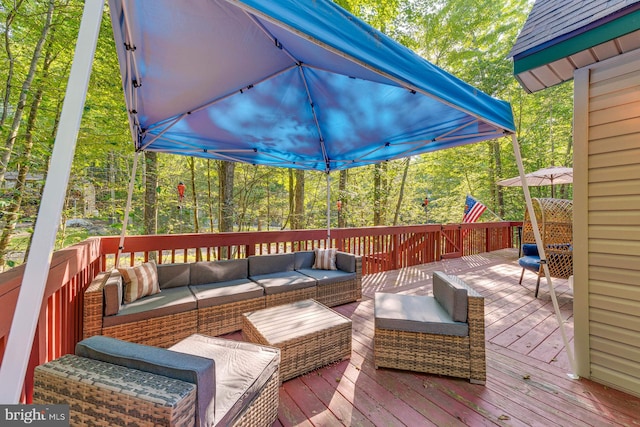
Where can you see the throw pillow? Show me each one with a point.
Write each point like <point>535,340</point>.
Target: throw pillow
<point>325,259</point>
<point>139,281</point>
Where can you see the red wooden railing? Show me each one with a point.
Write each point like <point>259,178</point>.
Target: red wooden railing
<point>72,269</point>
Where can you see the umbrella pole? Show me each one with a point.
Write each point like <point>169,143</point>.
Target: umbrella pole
<point>543,258</point>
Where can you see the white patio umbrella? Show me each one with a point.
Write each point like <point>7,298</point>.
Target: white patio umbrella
<point>553,175</point>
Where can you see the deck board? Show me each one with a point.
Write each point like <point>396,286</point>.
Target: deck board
<point>527,366</point>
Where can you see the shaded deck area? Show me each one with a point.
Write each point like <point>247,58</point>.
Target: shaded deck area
<point>526,364</point>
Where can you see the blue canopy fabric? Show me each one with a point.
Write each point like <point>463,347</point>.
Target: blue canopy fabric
<point>299,84</point>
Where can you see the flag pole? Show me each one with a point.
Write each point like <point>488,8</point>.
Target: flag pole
<point>494,214</point>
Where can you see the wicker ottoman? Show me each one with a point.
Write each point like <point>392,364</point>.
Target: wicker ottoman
<point>309,335</point>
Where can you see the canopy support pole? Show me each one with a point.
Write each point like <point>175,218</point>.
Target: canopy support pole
<point>32,289</point>
<point>127,209</point>
<point>543,257</point>
<point>328,210</point>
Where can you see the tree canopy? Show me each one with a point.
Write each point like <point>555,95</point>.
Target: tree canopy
<point>468,39</point>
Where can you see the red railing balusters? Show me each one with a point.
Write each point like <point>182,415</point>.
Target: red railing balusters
<point>72,269</point>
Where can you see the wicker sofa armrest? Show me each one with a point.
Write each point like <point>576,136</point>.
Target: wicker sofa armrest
<point>476,337</point>
<point>94,306</point>
<point>359,275</point>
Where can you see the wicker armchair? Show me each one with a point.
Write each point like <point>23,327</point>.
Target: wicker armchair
<point>441,334</point>
<point>555,220</point>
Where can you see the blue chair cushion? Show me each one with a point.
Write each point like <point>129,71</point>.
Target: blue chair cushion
<point>530,249</point>
<point>531,262</point>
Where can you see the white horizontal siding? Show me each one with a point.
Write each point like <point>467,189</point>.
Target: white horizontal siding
<point>613,222</point>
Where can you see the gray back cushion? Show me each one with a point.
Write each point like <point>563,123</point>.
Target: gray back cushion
<point>304,259</point>
<point>186,367</point>
<point>346,262</point>
<point>173,275</point>
<point>451,294</point>
<point>113,293</point>
<point>272,263</point>
<point>204,272</point>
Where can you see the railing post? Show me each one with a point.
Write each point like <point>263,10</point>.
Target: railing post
<point>396,253</point>
<point>250,250</point>
<point>487,243</point>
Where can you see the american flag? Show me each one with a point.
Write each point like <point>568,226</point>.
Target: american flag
<point>472,210</point>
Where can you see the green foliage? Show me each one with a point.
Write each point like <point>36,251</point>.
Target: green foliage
<point>471,40</point>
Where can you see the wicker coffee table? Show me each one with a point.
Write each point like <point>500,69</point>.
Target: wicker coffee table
<point>308,334</point>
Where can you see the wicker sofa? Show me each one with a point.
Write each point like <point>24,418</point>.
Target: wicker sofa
<point>200,381</point>
<point>440,334</point>
<point>209,297</point>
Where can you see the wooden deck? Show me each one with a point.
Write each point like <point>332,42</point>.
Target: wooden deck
<point>527,382</point>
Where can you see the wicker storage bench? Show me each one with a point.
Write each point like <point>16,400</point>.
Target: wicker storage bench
<point>309,334</point>
<point>200,381</point>
<point>441,334</point>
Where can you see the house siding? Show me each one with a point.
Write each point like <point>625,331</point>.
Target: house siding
<point>607,225</point>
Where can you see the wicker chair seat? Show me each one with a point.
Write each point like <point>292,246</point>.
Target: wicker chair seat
<point>440,335</point>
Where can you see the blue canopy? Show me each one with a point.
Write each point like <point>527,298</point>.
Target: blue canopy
<point>301,84</point>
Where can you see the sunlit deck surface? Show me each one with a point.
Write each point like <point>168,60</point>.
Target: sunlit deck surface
<point>527,382</point>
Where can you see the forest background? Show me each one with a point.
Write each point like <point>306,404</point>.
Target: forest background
<point>471,40</point>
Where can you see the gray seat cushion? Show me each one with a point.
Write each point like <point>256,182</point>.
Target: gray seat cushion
<point>273,263</point>
<point>451,293</point>
<point>173,275</point>
<point>415,313</point>
<point>168,301</point>
<point>226,292</point>
<point>327,277</point>
<point>190,368</point>
<point>242,370</point>
<point>204,272</point>
<point>285,281</point>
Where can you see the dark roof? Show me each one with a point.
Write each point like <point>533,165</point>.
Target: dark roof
<point>552,20</point>
<point>561,36</point>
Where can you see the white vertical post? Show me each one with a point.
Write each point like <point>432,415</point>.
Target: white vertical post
<point>543,256</point>
<point>25,318</point>
<point>127,209</point>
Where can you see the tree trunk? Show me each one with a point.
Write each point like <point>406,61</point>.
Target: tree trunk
<point>499,193</point>
<point>298,214</point>
<point>192,167</point>
<point>210,196</point>
<point>377,194</point>
<point>342,187</point>
<point>151,193</point>
<point>292,203</point>
<point>10,60</point>
<point>26,87</point>
<point>12,214</point>
<point>401,195</point>
<point>225,177</point>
